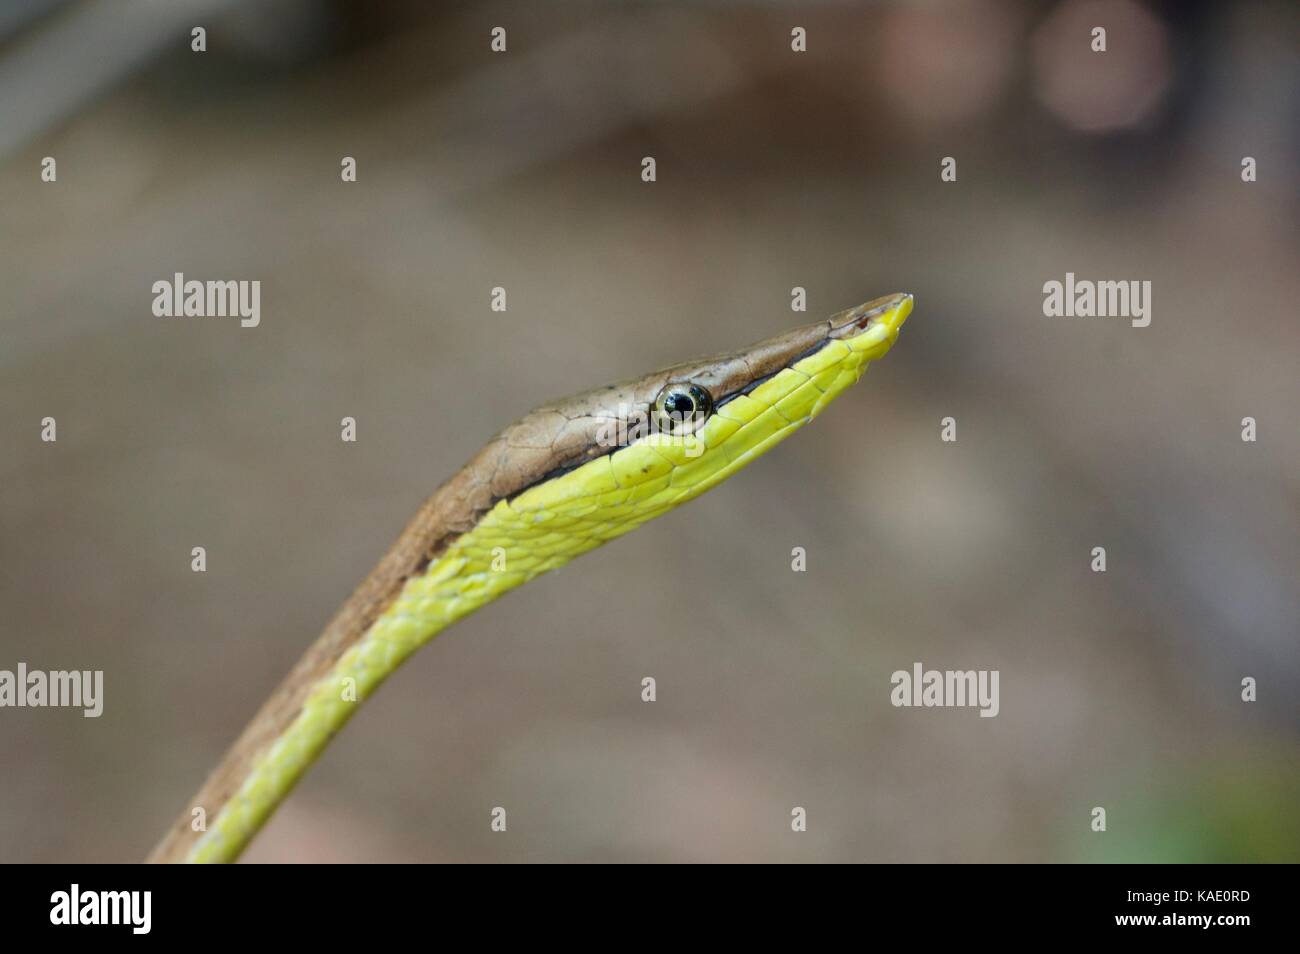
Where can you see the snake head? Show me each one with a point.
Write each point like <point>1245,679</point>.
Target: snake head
<point>727,407</point>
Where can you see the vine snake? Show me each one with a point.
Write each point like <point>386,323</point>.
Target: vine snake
<point>562,480</point>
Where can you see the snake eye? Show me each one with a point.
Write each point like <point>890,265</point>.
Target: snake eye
<point>680,404</point>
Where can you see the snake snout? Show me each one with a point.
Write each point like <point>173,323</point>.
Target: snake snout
<point>890,311</point>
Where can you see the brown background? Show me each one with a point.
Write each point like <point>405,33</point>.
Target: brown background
<point>775,169</point>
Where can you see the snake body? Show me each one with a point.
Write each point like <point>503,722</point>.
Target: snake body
<point>554,485</point>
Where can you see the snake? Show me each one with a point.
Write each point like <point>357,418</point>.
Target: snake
<point>562,480</point>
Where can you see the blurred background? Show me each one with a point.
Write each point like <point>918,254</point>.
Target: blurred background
<point>775,169</point>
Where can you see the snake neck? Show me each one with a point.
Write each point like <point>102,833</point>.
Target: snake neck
<point>392,613</point>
